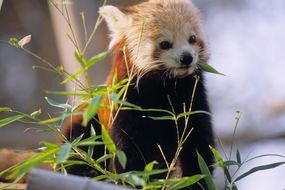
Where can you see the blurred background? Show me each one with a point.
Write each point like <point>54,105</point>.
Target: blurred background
<point>246,39</point>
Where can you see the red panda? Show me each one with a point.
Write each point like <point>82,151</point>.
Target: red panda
<point>162,42</point>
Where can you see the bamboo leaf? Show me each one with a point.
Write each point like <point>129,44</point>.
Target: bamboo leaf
<point>56,104</point>
<point>259,168</point>
<point>122,158</point>
<point>63,153</point>
<point>36,113</point>
<point>159,118</point>
<point>186,182</point>
<point>25,40</point>
<point>108,141</point>
<point>97,58</point>
<point>73,76</point>
<point>5,109</point>
<point>8,120</point>
<point>66,93</point>
<point>91,110</point>
<point>207,68</point>
<point>238,157</point>
<point>80,59</point>
<point>48,121</point>
<point>192,113</point>
<point>205,171</point>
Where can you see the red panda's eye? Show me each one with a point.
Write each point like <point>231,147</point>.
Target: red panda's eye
<point>165,45</point>
<point>192,39</point>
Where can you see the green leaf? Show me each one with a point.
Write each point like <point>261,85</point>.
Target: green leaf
<point>55,104</point>
<point>66,93</point>
<point>48,121</point>
<point>64,152</point>
<point>91,110</point>
<point>259,168</point>
<point>217,156</point>
<point>73,76</point>
<point>192,113</point>
<point>238,156</point>
<point>104,158</point>
<point>148,168</point>
<point>186,181</point>
<point>134,179</point>
<point>80,59</point>
<point>77,140</point>
<point>14,42</point>
<point>9,120</point>
<point>122,158</point>
<point>207,68</point>
<point>5,109</point>
<point>110,145</point>
<point>97,58</point>
<point>205,171</point>
<point>231,163</point>
<point>159,118</point>
<point>91,147</point>
<point>36,113</point>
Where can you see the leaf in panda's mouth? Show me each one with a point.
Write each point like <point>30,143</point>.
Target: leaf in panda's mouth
<point>207,68</point>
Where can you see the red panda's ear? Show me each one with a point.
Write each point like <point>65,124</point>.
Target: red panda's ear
<point>118,22</point>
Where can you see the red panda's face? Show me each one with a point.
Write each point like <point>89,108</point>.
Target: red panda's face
<point>160,35</point>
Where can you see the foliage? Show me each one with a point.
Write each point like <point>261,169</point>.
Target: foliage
<point>58,155</point>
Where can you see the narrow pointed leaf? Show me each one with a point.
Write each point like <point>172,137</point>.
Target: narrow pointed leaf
<point>97,58</point>
<point>108,141</point>
<point>259,168</point>
<point>186,181</point>
<point>56,104</point>
<point>207,68</point>
<point>8,120</point>
<point>122,158</point>
<point>5,109</point>
<point>91,110</point>
<point>205,171</point>
<point>25,40</point>
<point>64,152</point>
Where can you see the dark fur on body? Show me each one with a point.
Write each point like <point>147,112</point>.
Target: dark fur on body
<point>138,136</point>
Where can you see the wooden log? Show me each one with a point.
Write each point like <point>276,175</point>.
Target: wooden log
<point>8,186</point>
<point>45,180</point>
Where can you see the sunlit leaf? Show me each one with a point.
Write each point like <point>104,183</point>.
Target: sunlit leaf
<point>48,121</point>
<point>91,110</point>
<point>9,120</point>
<point>25,40</point>
<point>97,58</point>
<point>5,109</point>
<point>108,141</point>
<point>36,113</point>
<point>80,59</point>
<point>73,76</point>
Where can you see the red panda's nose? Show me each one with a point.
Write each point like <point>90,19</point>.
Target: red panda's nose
<point>186,59</point>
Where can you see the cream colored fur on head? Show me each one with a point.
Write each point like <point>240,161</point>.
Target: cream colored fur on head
<point>146,25</point>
